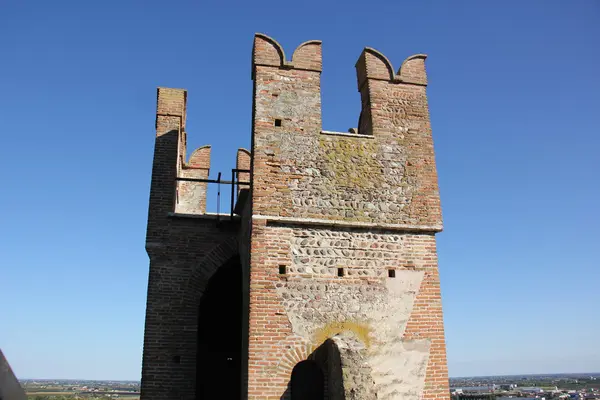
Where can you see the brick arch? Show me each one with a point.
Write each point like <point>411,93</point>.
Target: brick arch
<point>326,356</point>
<point>298,349</point>
<point>342,351</point>
<point>206,268</point>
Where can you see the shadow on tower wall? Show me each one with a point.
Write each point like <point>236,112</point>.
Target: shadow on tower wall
<point>319,377</point>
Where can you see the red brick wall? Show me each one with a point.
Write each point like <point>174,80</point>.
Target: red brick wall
<point>191,196</point>
<point>243,161</point>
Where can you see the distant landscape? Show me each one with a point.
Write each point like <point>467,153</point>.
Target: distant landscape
<point>59,389</point>
<point>581,386</point>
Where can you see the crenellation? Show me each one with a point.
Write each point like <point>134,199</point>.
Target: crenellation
<point>413,71</point>
<point>191,196</point>
<point>308,56</point>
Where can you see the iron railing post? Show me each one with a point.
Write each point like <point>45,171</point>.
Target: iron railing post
<point>233,179</point>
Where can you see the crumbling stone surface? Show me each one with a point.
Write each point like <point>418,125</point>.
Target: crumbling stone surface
<point>356,372</point>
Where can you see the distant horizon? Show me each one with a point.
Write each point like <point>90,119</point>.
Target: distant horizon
<point>450,377</point>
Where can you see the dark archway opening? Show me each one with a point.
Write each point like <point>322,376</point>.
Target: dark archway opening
<point>218,363</point>
<point>307,381</point>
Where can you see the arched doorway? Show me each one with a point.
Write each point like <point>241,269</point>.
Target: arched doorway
<point>307,381</point>
<point>218,362</point>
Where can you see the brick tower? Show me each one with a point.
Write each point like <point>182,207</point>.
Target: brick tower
<point>322,281</point>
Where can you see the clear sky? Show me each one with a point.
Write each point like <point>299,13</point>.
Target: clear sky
<point>515,106</point>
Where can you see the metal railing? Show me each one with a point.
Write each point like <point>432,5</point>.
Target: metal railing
<point>235,183</point>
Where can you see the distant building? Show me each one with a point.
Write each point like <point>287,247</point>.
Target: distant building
<point>510,386</point>
<point>476,389</point>
<point>531,390</point>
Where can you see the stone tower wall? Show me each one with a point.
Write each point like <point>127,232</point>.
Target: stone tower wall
<point>336,241</point>
<point>343,226</point>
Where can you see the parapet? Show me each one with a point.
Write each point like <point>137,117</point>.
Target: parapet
<point>171,192</point>
<point>191,195</point>
<point>200,158</point>
<point>243,159</point>
<point>372,64</point>
<point>268,52</point>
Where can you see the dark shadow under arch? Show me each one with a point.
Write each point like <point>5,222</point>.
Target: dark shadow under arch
<point>307,382</point>
<point>218,362</point>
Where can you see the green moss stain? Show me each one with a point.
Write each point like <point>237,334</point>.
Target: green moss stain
<point>352,163</point>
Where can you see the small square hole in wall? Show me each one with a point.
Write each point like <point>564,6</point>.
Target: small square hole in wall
<point>391,273</point>
<point>278,122</point>
<point>282,270</point>
<point>177,359</point>
<point>340,271</point>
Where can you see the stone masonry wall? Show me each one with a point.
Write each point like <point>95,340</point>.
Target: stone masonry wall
<point>343,227</point>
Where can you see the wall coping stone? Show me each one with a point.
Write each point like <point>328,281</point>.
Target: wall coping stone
<point>209,216</point>
<point>370,225</point>
<point>347,134</point>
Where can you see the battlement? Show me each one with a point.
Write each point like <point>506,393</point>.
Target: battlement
<point>191,195</point>
<point>180,186</point>
<point>268,52</point>
<point>372,64</point>
<point>382,172</point>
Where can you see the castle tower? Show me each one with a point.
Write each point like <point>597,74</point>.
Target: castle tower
<point>323,281</point>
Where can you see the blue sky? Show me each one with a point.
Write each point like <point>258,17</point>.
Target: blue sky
<point>514,99</point>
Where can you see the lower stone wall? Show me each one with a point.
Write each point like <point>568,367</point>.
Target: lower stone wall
<point>308,285</point>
